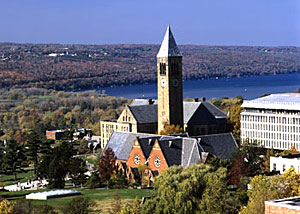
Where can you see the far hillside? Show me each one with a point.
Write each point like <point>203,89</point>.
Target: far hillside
<point>75,67</point>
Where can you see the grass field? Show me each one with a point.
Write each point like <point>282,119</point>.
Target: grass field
<point>103,198</point>
<point>21,177</point>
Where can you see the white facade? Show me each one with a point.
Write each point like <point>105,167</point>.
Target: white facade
<point>272,121</point>
<point>283,163</point>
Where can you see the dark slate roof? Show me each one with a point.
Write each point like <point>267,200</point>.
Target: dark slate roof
<point>147,143</point>
<point>144,113</point>
<point>193,112</point>
<point>122,142</point>
<point>214,110</point>
<point>180,151</point>
<point>222,145</point>
<point>205,114</point>
<point>172,150</point>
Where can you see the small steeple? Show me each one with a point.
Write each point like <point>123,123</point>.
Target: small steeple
<point>168,46</point>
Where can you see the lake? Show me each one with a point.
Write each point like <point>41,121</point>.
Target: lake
<point>248,87</point>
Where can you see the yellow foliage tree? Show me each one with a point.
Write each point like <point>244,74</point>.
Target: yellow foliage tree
<point>171,129</point>
<point>6,207</point>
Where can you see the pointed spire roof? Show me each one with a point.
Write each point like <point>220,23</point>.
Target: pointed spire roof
<point>168,46</point>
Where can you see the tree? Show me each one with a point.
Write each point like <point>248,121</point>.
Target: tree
<point>234,121</point>
<point>107,165</point>
<point>134,208</point>
<point>55,166</point>
<point>33,144</point>
<point>266,160</point>
<point>13,157</point>
<point>171,129</point>
<point>79,205</point>
<point>239,168</point>
<point>77,169</point>
<point>261,190</point>
<point>191,190</point>
<point>6,207</point>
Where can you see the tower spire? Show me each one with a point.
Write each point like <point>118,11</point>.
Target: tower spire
<point>168,46</point>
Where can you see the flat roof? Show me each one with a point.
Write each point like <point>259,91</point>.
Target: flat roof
<point>290,203</point>
<point>284,101</point>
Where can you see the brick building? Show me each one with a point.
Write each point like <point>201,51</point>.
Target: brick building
<point>283,206</point>
<point>157,153</point>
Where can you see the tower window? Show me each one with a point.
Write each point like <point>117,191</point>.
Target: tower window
<point>162,68</point>
<point>174,68</point>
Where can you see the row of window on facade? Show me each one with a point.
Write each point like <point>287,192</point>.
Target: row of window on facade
<point>269,127</point>
<point>271,119</point>
<point>276,144</point>
<point>271,135</point>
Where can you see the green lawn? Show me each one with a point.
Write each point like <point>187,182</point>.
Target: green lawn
<point>21,177</point>
<point>103,197</point>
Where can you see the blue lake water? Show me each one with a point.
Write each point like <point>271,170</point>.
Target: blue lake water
<point>248,87</point>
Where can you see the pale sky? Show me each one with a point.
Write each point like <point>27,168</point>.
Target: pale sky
<point>203,22</point>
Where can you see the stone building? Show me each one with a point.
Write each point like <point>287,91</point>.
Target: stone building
<point>150,116</point>
<point>272,121</point>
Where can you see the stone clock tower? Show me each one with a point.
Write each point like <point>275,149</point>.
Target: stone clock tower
<point>169,83</point>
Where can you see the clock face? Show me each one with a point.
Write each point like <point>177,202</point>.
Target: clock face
<point>163,82</point>
<point>137,159</point>
<point>175,82</point>
<point>157,162</point>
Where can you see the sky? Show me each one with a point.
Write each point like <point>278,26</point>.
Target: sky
<point>202,22</point>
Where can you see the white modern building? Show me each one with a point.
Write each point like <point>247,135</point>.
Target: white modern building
<point>272,121</point>
<point>283,163</point>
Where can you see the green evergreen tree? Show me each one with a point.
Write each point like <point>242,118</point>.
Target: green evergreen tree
<point>13,157</point>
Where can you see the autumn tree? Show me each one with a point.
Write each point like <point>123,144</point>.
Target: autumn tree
<point>6,207</point>
<point>239,168</point>
<point>234,121</point>
<point>266,160</point>
<point>171,129</point>
<point>107,165</point>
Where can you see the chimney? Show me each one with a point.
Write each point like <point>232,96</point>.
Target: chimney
<point>150,101</point>
<point>196,99</point>
<point>203,99</point>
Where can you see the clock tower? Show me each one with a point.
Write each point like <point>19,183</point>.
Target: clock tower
<point>169,83</point>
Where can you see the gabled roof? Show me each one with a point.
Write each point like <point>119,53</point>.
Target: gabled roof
<point>222,145</point>
<point>172,150</point>
<point>146,144</point>
<point>204,114</point>
<point>191,152</point>
<point>168,46</point>
<point>193,112</point>
<point>144,113</point>
<point>122,142</point>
